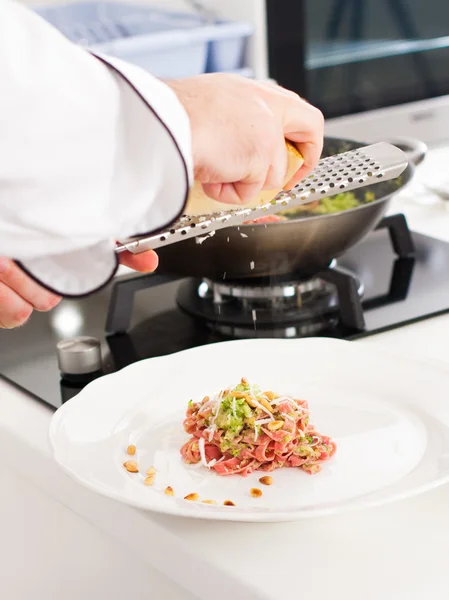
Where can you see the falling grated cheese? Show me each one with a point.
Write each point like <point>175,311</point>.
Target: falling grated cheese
<point>203,238</point>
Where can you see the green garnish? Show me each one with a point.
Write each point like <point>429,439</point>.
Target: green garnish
<point>332,204</point>
<point>232,414</point>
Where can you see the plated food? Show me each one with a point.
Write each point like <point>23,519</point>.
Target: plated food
<point>384,431</point>
<point>244,429</point>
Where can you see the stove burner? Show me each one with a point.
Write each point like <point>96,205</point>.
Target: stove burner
<point>295,295</point>
<point>272,308</point>
<point>249,292</point>
<point>291,331</point>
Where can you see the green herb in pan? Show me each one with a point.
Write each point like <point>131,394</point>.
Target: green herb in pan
<point>332,204</point>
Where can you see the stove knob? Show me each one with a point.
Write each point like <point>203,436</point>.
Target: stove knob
<point>79,355</point>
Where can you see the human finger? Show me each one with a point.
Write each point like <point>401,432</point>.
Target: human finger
<point>12,276</point>
<point>278,169</point>
<point>14,310</point>
<point>304,126</point>
<point>145,262</point>
<point>239,192</point>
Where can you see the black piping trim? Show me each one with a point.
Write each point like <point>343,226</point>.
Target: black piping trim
<point>151,232</point>
<point>65,295</point>
<point>186,172</point>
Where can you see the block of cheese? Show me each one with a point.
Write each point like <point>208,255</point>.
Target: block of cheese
<point>200,204</point>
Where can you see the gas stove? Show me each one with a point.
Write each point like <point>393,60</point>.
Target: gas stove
<point>391,278</point>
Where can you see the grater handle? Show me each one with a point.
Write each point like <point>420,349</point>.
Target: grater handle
<point>342,172</point>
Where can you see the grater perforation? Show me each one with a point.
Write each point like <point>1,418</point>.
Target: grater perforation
<point>347,171</point>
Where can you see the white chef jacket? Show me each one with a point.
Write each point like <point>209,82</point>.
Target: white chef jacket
<point>92,150</point>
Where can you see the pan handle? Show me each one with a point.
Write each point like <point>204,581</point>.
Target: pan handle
<point>415,150</point>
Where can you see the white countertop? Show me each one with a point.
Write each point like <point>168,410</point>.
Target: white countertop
<point>59,539</point>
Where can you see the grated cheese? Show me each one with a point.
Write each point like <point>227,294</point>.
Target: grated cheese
<point>287,416</point>
<point>289,399</point>
<point>202,448</point>
<point>258,404</point>
<point>211,430</point>
<point>262,422</point>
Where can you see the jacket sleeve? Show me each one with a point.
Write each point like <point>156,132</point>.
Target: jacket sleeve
<point>92,150</point>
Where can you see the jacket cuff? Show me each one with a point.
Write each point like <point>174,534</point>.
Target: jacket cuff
<point>75,274</point>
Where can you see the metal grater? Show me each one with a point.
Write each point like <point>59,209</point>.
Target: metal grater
<point>347,171</point>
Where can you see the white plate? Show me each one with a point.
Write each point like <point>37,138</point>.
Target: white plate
<point>389,417</point>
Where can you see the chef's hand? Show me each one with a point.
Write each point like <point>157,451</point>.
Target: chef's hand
<point>238,131</point>
<point>20,295</point>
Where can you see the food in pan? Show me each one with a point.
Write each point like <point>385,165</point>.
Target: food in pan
<point>323,206</point>
<point>331,204</point>
<point>200,204</point>
<point>244,429</point>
